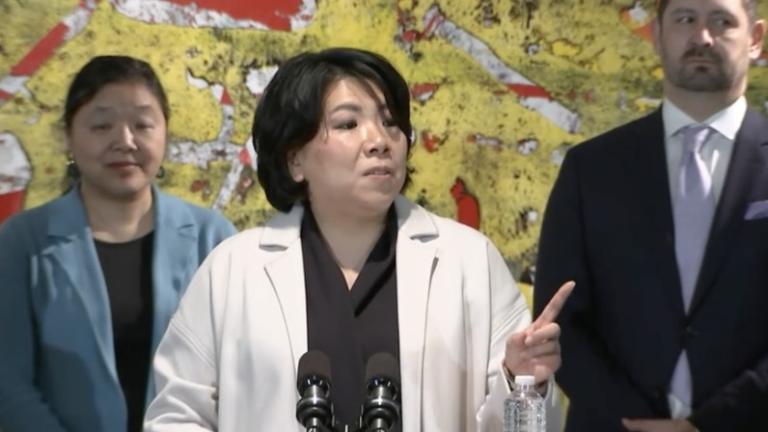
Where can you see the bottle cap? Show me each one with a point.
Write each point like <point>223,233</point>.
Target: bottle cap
<point>525,380</point>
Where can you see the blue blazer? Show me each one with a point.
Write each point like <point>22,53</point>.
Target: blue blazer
<point>57,363</point>
<point>609,227</point>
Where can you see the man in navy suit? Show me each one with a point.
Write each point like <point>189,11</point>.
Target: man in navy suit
<point>663,224</point>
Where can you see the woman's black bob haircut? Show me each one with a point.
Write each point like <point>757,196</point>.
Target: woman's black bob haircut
<point>290,111</point>
<point>101,71</point>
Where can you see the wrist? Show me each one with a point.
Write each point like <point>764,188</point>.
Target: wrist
<point>540,387</point>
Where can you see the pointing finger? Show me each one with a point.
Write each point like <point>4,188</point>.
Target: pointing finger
<point>555,305</point>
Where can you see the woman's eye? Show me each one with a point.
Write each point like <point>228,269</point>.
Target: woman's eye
<point>347,125</point>
<point>101,127</point>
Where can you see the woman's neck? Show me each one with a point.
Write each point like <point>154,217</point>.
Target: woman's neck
<point>350,237</point>
<point>118,220</point>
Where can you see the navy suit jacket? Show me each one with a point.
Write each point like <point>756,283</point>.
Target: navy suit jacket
<point>609,226</point>
<point>57,364</point>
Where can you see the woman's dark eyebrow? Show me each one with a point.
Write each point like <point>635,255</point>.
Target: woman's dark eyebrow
<point>349,106</point>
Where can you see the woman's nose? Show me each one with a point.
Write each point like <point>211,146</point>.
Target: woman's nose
<point>124,139</point>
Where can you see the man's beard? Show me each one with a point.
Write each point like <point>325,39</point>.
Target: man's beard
<point>715,76</point>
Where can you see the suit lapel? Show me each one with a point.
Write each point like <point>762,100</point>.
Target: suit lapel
<point>416,260</point>
<point>174,251</point>
<point>748,164</point>
<point>651,189</point>
<point>287,276</point>
<point>74,252</point>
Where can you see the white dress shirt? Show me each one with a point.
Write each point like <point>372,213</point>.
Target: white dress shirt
<point>717,149</point>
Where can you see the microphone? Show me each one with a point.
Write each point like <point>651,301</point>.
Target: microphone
<point>381,408</point>
<point>314,410</point>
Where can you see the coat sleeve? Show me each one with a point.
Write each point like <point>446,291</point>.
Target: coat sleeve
<point>22,406</point>
<point>737,406</point>
<point>508,314</point>
<point>597,386</point>
<point>185,364</point>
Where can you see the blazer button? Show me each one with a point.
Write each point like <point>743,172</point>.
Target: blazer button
<point>689,333</point>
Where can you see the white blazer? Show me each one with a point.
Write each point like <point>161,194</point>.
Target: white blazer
<point>228,359</point>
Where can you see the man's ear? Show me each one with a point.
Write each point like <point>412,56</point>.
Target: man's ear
<point>756,46</point>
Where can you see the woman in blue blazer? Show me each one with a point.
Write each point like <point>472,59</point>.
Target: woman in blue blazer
<point>90,280</point>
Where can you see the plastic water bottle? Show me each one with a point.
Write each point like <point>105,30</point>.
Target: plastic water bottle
<point>524,410</point>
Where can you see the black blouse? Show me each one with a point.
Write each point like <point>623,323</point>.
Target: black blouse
<point>350,325</point>
<point>127,269</point>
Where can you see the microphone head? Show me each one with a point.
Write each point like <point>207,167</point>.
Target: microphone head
<point>314,410</point>
<point>383,367</point>
<point>381,409</point>
<point>314,369</point>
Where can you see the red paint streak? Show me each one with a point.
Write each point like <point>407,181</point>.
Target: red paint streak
<point>527,90</point>
<point>5,95</point>
<point>421,89</point>
<point>411,35</point>
<point>225,98</point>
<point>645,32</point>
<point>431,142</point>
<point>467,206</point>
<point>41,52</point>
<point>245,157</point>
<point>274,14</point>
<point>10,204</point>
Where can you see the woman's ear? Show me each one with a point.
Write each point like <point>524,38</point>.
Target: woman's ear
<point>66,147</point>
<point>65,140</point>
<point>294,167</point>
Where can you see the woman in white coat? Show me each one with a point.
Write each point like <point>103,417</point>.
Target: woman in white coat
<point>348,267</point>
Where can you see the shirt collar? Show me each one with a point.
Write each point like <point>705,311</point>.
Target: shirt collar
<point>726,121</point>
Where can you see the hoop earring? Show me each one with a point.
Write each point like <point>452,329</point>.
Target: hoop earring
<point>73,172</point>
<point>160,173</point>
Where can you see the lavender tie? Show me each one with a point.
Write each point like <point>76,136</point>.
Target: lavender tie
<point>694,208</point>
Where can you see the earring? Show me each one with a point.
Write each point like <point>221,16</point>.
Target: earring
<point>160,173</point>
<point>73,172</point>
